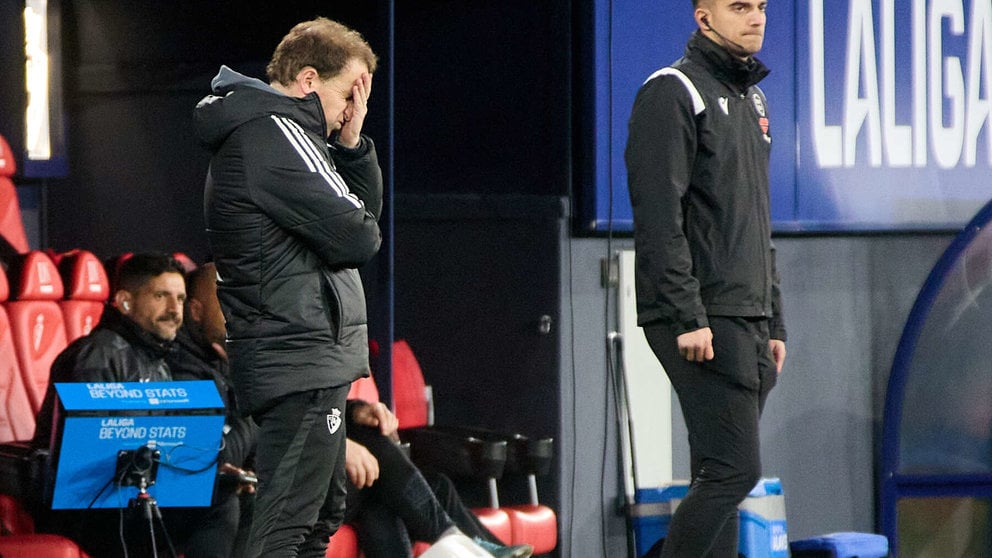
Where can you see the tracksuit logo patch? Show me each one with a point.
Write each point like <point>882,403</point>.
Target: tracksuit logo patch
<point>759,106</point>
<point>334,420</point>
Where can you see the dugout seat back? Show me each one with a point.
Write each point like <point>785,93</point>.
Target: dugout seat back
<point>11,225</point>
<point>364,389</point>
<point>86,292</point>
<point>16,413</point>
<point>14,519</point>
<point>36,322</point>
<point>39,545</point>
<point>344,544</point>
<point>189,266</point>
<point>410,391</point>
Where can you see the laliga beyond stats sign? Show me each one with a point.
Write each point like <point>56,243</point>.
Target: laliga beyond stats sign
<point>881,110</point>
<point>182,421</point>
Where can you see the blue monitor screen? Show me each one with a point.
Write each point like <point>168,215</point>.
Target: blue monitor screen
<point>183,421</point>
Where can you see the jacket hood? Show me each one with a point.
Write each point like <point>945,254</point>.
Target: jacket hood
<point>237,99</point>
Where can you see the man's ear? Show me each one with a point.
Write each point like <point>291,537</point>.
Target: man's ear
<point>702,18</point>
<point>122,300</point>
<point>307,79</point>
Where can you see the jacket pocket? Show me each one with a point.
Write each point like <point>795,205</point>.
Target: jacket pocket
<point>344,300</point>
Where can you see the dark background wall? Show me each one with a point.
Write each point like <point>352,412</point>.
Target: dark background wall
<point>134,72</point>
<point>481,104</point>
<point>483,166</point>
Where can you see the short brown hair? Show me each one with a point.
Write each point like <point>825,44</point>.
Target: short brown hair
<point>142,268</point>
<point>324,44</point>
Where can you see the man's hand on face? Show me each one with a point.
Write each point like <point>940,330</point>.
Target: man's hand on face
<point>350,134</point>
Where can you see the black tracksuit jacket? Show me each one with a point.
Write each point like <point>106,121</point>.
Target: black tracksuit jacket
<point>289,220</point>
<point>697,163</point>
<point>117,350</point>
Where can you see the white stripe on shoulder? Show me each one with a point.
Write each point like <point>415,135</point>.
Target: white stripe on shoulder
<point>698,105</point>
<point>324,166</point>
<point>313,160</point>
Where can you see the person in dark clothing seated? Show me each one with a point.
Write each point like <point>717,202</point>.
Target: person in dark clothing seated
<point>389,501</point>
<point>199,354</point>
<point>130,344</point>
<point>401,504</point>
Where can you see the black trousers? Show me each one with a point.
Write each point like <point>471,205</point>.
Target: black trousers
<point>403,503</point>
<point>721,401</point>
<point>299,461</point>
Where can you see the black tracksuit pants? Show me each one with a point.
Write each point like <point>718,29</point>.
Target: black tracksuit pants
<point>301,477</point>
<point>721,401</point>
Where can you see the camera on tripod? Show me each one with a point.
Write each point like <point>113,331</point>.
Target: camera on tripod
<point>137,467</point>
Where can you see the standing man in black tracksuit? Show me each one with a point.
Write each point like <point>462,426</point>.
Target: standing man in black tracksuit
<point>707,290</point>
<point>292,200</point>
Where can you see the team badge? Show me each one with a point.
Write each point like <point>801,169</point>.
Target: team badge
<point>334,420</point>
<point>758,105</point>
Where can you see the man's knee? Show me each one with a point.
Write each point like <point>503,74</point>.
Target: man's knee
<point>735,479</point>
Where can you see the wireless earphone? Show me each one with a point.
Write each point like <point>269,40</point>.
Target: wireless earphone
<point>126,305</point>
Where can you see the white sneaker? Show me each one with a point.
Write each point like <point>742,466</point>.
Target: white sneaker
<point>455,544</point>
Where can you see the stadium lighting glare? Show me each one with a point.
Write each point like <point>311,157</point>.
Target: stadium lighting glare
<point>37,118</point>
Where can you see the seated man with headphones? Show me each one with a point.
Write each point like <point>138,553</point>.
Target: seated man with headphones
<point>136,331</point>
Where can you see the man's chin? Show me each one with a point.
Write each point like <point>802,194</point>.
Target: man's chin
<point>753,45</point>
<point>166,334</point>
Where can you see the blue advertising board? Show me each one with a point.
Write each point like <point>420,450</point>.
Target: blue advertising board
<point>881,110</point>
<point>183,421</point>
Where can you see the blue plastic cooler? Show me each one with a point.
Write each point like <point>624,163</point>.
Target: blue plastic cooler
<point>762,518</point>
<point>652,513</point>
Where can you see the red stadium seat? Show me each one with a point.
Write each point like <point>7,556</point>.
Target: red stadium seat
<point>531,523</point>
<point>86,291</point>
<point>11,225</point>
<point>16,413</point>
<point>187,262</point>
<point>37,325</point>
<point>364,389</point>
<point>38,545</point>
<point>409,388</point>
<point>14,519</point>
<point>498,523</point>
<point>535,524</point>
<point>8,166</point>
<point>344,544</point>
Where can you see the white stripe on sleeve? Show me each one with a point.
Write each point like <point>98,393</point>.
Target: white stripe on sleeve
<point>313,160</point>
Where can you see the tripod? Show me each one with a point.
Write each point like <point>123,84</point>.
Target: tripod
<point>139,468</point>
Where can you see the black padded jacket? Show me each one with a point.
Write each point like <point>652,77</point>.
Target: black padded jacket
<point>289,220</point>
<point>117,350</point>
<point>697,161</point>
